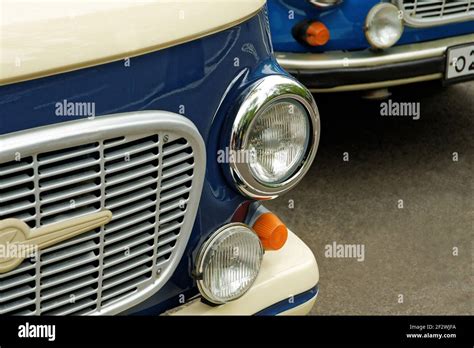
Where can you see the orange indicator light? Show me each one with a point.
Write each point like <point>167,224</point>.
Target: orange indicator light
<point>271,231</point>
<point>317,34</point>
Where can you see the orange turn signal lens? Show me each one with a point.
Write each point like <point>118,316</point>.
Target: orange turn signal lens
<point>271,231</point>
<point>317,34</point>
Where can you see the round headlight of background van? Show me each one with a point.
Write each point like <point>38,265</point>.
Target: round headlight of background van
<point>228,263</point>
<point>383,25</point>
<point>276,131</point>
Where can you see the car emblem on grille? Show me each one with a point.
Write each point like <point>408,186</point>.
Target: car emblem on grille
<point>18,242</point>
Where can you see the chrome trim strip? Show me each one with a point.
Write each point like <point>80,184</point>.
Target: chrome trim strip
<point>259,95</point>
<point>68,134</point>
<point>375,85</point>
<point>369,58</point>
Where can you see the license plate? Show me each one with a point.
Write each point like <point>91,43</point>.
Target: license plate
<point>460,61</point>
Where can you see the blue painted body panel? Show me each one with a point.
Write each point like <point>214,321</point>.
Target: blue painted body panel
<point>286,305</point>
<point>200,75</point>
<point>345,23</point>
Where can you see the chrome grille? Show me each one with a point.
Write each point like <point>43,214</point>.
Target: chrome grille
<point>426,13</point>
<point>150,180</point>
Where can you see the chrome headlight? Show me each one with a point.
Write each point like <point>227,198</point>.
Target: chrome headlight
<point>324,3</point>
<point>278,139</point>
<point>383,25</point>
<point>276,132</point>
<point>228,263</point>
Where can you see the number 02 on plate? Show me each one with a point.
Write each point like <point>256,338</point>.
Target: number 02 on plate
<point>460,61</point>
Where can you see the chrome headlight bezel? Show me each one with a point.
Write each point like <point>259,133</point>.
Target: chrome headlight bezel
<point>207,248</point>
<point>257,99</point>
<point>323,4</point>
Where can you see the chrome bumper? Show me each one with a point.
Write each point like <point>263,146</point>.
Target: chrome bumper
<point>357,70</point>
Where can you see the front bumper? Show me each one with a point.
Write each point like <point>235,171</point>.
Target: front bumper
<point>357,70</point>
<point>286,284</point>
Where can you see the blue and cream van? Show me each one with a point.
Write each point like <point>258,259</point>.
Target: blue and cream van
<point>138,143</point>
<point>348,45</point>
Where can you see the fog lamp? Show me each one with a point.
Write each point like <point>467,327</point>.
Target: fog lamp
<point>228,263</point>
<point>383,25</point>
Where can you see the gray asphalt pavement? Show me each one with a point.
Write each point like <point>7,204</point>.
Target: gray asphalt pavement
<point>401,195</point>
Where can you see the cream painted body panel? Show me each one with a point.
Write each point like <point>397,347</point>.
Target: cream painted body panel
<point>284,273</point>
<point>45,37</point>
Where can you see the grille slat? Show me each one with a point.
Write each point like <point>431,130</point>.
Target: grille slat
<point>128,244</point>
<point>16,281</point>
<point>71,192</point>
<point>120,290</point>
<point>137,218</point>
<point>58,156</point>
<point>172,216</point>
<point>130,175</point>
<point>77,240</point>
<point>68,310</point>
<point>130,232</point>
<point>168,239</point>
<point>130,198</point>
<point>185,167</point>
<point>178,203</point>
<point>177,192</point>
<point>85,292</point>
<point>25,266</point>
<point>15,293</point>
<point>70,214</point>
<point>426,13</point>
<point>133,208</point>
<point>145,184</point>
<point>13,306</point>
<point>125,277</point>
<point>67,167</point>
<point>70,263</point>
<point>15,194</point>
<point>17,206</point>
<point>128,187</point>
<point>165,250</point>
<point>181,157</point>
<point>46,185</point>
<point>16,166</point>
<point>69,288</point>
<point>69,276</point>
<point>15,181</point>
<point>122,257</point>
<point>169,228</point>
<point>177,146</point>
<point>176,181</point>
<point>130,150</point>
<point>61,207</point>
<point>133,162</point>
<point>126,265</point>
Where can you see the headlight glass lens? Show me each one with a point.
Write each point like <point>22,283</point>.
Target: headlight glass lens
<point>229,263</point>
<point>278,141</point>
<point>384,26</point>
